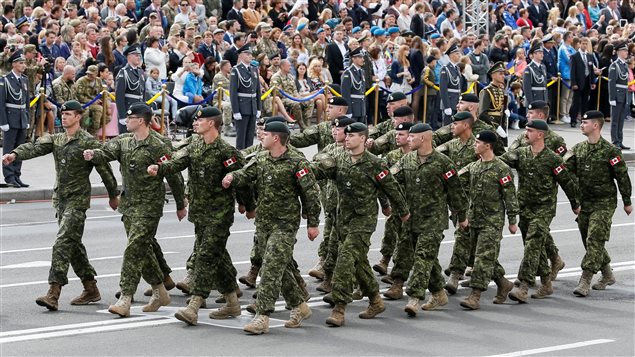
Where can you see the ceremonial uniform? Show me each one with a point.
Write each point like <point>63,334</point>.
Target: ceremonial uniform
<point>493,103</point>
<point>244,87</point>
<point>130,88</point>
<point>619,99</point>
<point>535,82</point>
<point>86,90</point>
<point>354,88</point>
<point>450,84</point>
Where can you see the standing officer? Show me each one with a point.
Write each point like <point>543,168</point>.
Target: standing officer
<point>244,89</point>
<point>129,85</point>
<point>354,86</point>
<point>619,96</point>
<point>598,165</point>
<point>535,77</point>
<point>493,100</point>
<point>14,115</point>
<point>71,200</point>
<point>450,84</point>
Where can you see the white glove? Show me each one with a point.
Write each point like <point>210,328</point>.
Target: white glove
<point>258,113</point>
<point>447,111</point>
<point>4,127</point>
<point>122,121</point>
<point>507,113</point>
<point>612,103</point>
<point>238,116</point>
<point>501,132</point>
<point>28,126</point>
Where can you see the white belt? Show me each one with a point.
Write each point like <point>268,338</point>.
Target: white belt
<point>453,90</point>
<point>133,96</point>
<point>358,96</point>
<point>247,95</point>
<point>16,106</point>
<point>538,88</point>
<point>617,85</point>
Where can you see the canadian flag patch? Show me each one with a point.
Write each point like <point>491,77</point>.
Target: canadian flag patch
<point>449,174</point>
<point>164,158</point>
<point>380,176</point>
<point>229,162</point>
<point>616,160</point>
<point>561,150</point>
<point>558,169</point>
<point>505,180</point>
<point>300,174</point>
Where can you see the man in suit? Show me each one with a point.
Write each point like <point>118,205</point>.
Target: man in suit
<point>14,116</point>
<point>535,78</point>
<point>231,54</point>
<point>417,25</point>
<point>129,84</point>
<point>538,14</point>
<point>334,55</point>
<point>235,14</point>
<point>450,84</point>
<point>619,97</point>
<point>582,79</point>
<point>245,98</point>
<point>354,86</point>
<point>610,12</point>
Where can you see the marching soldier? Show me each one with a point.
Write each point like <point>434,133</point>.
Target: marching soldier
<point>86,89</point>
<point>493,100</point>
<point>535,76</point>
<point>619,96</point>
<point>244,88</point>
<point>450,84</point>
<point>386,143</point>
<point>129,84</point>
<point>354,86</point>
<point>393,101</point>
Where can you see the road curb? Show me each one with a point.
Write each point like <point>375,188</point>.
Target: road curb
<point>40,194</point>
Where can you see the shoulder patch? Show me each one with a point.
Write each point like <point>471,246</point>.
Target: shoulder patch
<point>449,174</point>
<point>561,150</point>
<point>505,180</point>
<point>396,168</point>
<point>230,161</point>
<point>163,159</point>
<point>616,160</point>
<point>382,175</point>
<point>300,174</point>
<point>557,170</point>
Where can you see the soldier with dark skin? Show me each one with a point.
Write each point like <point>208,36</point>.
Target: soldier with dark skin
<point>598,167</point>
<point>540,171</point>
<point>71,200</point>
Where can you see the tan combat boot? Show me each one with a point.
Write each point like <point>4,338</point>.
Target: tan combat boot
<point>387,279</point>
<point>222,300</point>
<point>382,266</point>
<point>160,297</point>
<point>185,284</point>
<point>545,289</point>
<point>504,287</point>
<point>90,293</point>
<point>519,293</point>
<point>318,271</point>
<point>250,278</point>
<point>436,300</point>
<point>413,306</point>
<point>395,292</point>
<point>258,326</point>
<point>557,264</point>
<point>337,316</point>
<point>582,290</point>
<point>607,278</point>
<point>122,306</point>
<point>203,304</point>
<point>325,286</point>
<point>453,283</point>
<point>167,282</point>
<point>375,307</point>
<point>472,302</point>
<point>50,300</point>
<point>189,314</point>
<point>357,294</point>
<point>231,309</point>
<point>298,313</point>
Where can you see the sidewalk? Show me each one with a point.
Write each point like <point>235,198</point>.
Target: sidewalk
<point>40,172</point>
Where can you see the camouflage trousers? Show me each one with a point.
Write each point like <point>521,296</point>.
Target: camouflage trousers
<point>257,249</point>
<point>329,222</point>
<point>534,230</point>
<point>213,267</point>
<point>463,250</point>
<point>426,270</point>
<point>302,112</point>
<point>403,257</point>
<point>69,249</point>
<point>277,274</point>
<point>595,229</point>
<point>392,230</point>
<point>163,264</point>
<point>333,248</point>
<point>139,258</point>
<point>486,265</point>
<point>352,267</point>
<point>227,113</point>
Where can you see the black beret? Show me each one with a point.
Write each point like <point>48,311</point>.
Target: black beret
<point>538,124</point>
<point>276,127</point>
<point>403,111</point>
<point>338,101</point>
<point>71,105</point>
<point>278,119</point>
<point>357,52</point>
<point>452,49</point>
<point>420,128</point>
<point>207,112</point>
<point>537,104</point>
<point>593,114</point>
<point>139,109</point>
<point>537,47</point>
<point>132,49</point>
<point>342,122</point>
<point>395,96</point>
<point>17,56</point>
<point>356,128</point>
<point>487,136</point>
<point>245,48</point>
<point>405,126</point>
<point>460,116</point>
<point>470,98</point>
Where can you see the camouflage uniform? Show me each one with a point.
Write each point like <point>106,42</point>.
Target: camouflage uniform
<point>211,209</point>
<point>358,184</point>
<point>63,91</point>
<point>86,90</point>
<point>381,129</point>
<point>538,179</point>
<point>142,200</point>
<point>392,228</point>
<point>597,166</point>
<point>430,186</point>
<point>385,143</point>
<point>492,193</point>
<point>279,183</point>
<point>301,111</point>
<point>71,198</point>
<point>266,46</point>
<point>444,134</point>
<point>226,107</point>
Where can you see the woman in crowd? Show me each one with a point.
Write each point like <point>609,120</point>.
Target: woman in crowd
<point>470,77</point>
<point>105,55</point>
<point>156,57</point>
<point>400,71</point>
<point>77,57</point>
<point>306,87</point>
<point>303,52</point>
<point>524,20</point>
<point>379,64</point>
<point>83,42</point>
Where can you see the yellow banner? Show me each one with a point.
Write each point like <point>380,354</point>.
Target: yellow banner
<point>334,92</point>
<point>154,97</point>
<point>469,90</point>
<point>371,90</point>
<point>112,96</point>
<point>34,101</point>
<point>267,93</point>
<point>552,82</point>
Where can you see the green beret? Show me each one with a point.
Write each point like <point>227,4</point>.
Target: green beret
<point>356,128</point>
<point>275,119</point>
<point>462,116</point>
<point>207,112</point>
<point>276,127</point>
<point>420,128</point>
<point>71,105</point>
<point>537,104</point>
<point>538,124</point>
<point>395,96</point>
<point>404,111</point>
<point>342,122</point>
<point>486,136</point>
<point>593,114</point>
<point>405,126</point>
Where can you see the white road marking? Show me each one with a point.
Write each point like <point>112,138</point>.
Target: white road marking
<point>75,326</point>
<point>554,348</point>
<point>47,263</point>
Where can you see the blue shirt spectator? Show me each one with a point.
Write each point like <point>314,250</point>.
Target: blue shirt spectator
<point>564,57</point>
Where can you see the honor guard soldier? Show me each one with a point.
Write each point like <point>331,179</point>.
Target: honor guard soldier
<point>493,100</point>
<point>619,97</point>
<point>14,116</point>
<point>244,88</point>
<point>354,86</point>
<point>129,85</point>
<point>450,84</point>
<point>535,77</point>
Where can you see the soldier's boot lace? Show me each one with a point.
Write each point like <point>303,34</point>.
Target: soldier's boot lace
<point>230,310</point>
<point>50,300</point>
<point>436,300</point>
<point>222,300</point>
<point>122,306</point>
<point>89,294</point>
<point>189,314</point>
<point>160,297</point>
<point>203,304</point>
<point>395,292</point>
<point>520,293</point>
<point>607,278</point>
<point>298,313</point>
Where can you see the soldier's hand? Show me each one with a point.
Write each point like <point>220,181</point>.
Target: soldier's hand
<point>405,218</point>
<point>513,228</point>
<point>153,170</point>
<point>447,111</point>
<point>114,203</point>
<point>250,214</point>
<point>312,233</point>
<point>628,209</point>
<point>612,103</point>
<point>387,211</point>
<point>180,214</point>
<point>4,127</point>
<point>227,181</point>
<point>369,143</point>
<point>464,224</point>
<point>576,210</point>
<point>241,209</point>
<point>574,87</point>
<point>89,155</point>
<point>8,158</point>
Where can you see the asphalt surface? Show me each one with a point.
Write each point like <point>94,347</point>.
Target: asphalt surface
<point>602,324</point>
